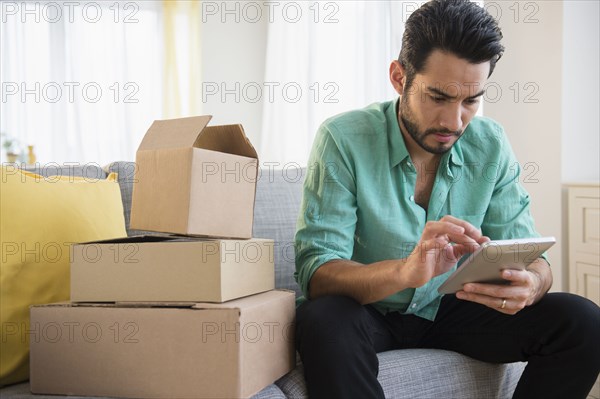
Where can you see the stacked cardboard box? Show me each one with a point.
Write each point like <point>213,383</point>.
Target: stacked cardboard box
<point>190,314</point>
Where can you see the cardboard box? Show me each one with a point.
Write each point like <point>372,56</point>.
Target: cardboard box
<point>170,268</point>
<point>195,180</point>
<point>228,350</point>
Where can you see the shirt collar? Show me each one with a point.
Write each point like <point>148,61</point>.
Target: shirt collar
<point>456,154</point>
<point>398,151</point>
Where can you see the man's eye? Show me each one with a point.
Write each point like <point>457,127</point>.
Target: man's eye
<point>438,99</point>
<point>472,101</point>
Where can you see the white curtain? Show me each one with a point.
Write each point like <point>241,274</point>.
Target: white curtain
<point>337,58</point>
<point>85,87</point>
<point>80,82</point>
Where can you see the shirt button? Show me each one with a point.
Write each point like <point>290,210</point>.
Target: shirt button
<point>412,198</point>
<point>414,305</point>
<point>409,164</point>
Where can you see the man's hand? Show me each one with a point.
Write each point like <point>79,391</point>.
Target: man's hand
<point>526,288</point>
<point>442,244</point>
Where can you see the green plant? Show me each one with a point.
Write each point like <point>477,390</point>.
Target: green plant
<point>8,143</point>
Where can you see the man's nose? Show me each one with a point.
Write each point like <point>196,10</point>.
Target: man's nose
<point>451,117</point>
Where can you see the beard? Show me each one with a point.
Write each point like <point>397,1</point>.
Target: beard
<point>409,121</point>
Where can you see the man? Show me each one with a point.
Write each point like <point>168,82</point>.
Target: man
<point>396,194</point>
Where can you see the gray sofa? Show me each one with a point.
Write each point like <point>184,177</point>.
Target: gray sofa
<point>415,373</point>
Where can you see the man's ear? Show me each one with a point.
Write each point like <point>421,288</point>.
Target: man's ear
<point>397,76</point>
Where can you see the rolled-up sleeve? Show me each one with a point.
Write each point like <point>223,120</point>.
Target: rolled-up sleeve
<point>327,220</point>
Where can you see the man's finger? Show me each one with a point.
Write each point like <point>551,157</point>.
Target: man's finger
<point>461,250</point>
<point>455,233</point>
<point>502,305</point>
<point>470,230</point>
<point>497,290</point>
<point>433,229</point>
<point>436,243</point>
<point>514,275</point>
<point>465,240</point>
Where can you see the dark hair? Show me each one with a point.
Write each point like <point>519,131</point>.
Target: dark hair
<point>459,27</point>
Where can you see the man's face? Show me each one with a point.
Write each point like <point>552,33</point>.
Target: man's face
<point>441,101</point>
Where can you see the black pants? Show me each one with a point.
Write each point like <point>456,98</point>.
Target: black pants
<point>338,340</point>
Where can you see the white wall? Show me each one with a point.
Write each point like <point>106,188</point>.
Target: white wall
<point>581,91</point>
<point>529,76</point>
<point>234,52</point>
<point>580,100</point>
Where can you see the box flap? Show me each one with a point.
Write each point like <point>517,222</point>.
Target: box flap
<point>53,304</point>
<point>159,237</point>
<point>138,304</point>
<point>154,238</point>
<point>119,304</point>
<point>230,139</point>
<point>174,133</point>
<point>249,301</point>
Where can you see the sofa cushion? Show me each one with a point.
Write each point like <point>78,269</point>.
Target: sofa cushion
<point>126,172</point>
<point>43,216</point>
<point>428,374</point>
<point>276,208</point>
<point>22,391</point>
<point>270,392</point>
<point>89,171</point>
<point>433,373</point>
<point>292,384</point>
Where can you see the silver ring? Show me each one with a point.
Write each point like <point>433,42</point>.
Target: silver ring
<point>503,304</point>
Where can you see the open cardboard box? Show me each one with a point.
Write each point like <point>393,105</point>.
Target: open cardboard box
<point>229,350</point>
<point>170,268</point>
<point>195,179</point>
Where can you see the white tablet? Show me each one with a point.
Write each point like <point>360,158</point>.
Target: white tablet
<point>486,263</point>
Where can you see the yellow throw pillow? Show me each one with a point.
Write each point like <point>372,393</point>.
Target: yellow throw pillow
<point>39,218</point>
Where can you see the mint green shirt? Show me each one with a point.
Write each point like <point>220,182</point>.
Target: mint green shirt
<point>358,200</point>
